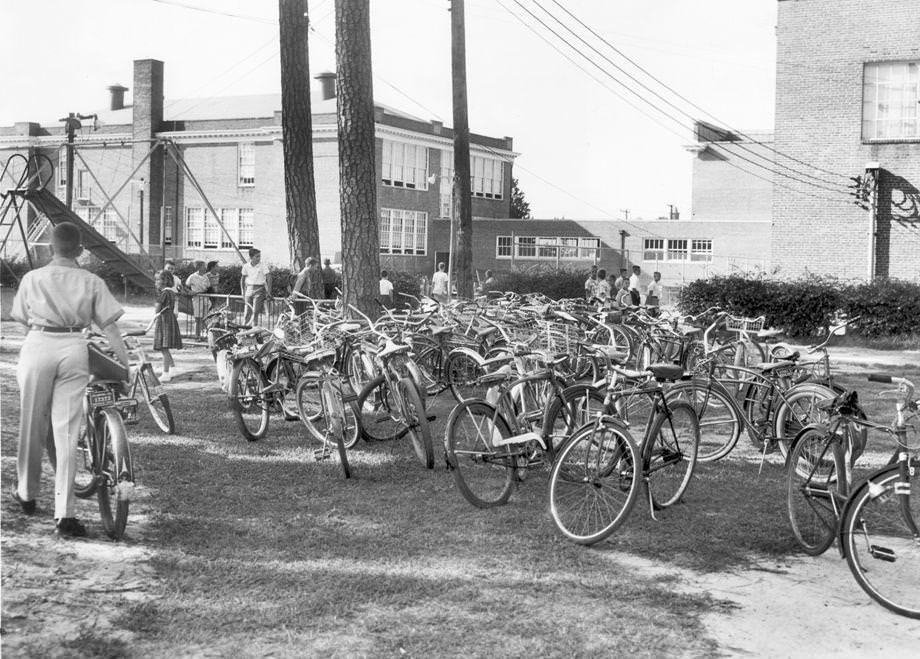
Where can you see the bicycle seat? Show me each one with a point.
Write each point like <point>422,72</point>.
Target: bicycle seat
<point>688,330</point>
<point>440,331</point>
<point>614,354</point>
<point>481,333</point>
<point>135,333</point>
<point>666,372</point>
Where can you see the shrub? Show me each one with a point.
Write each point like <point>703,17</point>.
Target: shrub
<point>11,271</point>
<point>805,306</point>
<point>557,284</point>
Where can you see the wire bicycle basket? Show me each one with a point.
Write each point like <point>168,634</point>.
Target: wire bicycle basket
<point>742,324</point>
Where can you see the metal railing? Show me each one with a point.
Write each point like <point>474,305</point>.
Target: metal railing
<point>236,308</point>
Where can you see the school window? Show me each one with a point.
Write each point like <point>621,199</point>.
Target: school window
<point>589,248</point>
<point>677,250</point>
<point>405,165</point>
<point>229,217</point>
<point>701,250</point>
<point>503,247</point>
<point>246,156</point>
<point>194,227</point>
<point>211,231</point>
<point>891,100</point>
<point>62,167</point>
<point>168,220</point>
<point>653,249</point>
<point>110,224</point>
<point>526,247</point>
<point>247,221</point>
<point>547,248</point>
<point>82,188</point>
<point>403,232</point>
<point>487,177</point>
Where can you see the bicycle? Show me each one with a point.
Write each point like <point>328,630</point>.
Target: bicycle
<point>145,381</point>
<point>594,482</point>
<point>104,467</point>
<point>491,443</point>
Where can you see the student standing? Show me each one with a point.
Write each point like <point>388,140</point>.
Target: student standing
<point>653,299</point>
<point>198,283</point>
<point>255,283</point>
<point>591,283</point>
<point>634,286</point>
<point>386,290</point>
<point>56,303</point>
<point>330,279</point>
<point>439,284</point>
<point>166,334</point>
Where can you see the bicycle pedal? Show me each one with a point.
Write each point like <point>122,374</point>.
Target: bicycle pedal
<point>883,553</point>
<point>432,417</point>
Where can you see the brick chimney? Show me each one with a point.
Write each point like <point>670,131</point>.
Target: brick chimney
<point>327,84</point>
<point>117,96</point>
<point>148,121</point>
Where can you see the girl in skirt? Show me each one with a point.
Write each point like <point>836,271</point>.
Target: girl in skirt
<point>166,328</point>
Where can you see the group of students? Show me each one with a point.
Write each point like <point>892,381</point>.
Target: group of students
<point>625,291</point>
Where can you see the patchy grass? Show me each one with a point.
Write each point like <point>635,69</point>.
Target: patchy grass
<point>257,549</point>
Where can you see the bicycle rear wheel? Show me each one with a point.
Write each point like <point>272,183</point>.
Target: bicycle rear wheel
<point>428,357</point>
<point>462,372</point>
<point>157,400</point>
<point>310,410</point>
<point>797,410</point>
<point>483,472</point>
<point>378,412</point>
<point>250,407</point>
<point>417,420</point>
<point>881,540</point>
<point>669,454</point>
<point>594,483</point>
<point>811,485</point>
<point>86,479</point>
<point>335,422</point>
<point>720,425</point>
<point>116,475</point>
<point>578,405</point>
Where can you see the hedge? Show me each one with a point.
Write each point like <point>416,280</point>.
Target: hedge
<point>552,282</point>
<point>805,306</point>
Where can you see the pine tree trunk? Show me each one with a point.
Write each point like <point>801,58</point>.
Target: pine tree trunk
<point>462,267</point>
<point>297,130</point>
<point>357,171</point>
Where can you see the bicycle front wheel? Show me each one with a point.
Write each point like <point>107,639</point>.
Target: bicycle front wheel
<point>378,412</point>
<point>86,480</point>
<point>483,472</point>
<point>249,405</point>
<point>797,409</point>
<point>336,424</point>
<point>881,538</point>
<point>417,421</point>
<point>116,475</point>
<point>720,424</point>
<point>157,400</point>
<point>669,454</point>
<point>462,371</point>
<point>594,483</point>
<point>812,471</point>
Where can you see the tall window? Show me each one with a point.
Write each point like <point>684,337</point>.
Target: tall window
<point>403,232</point>
<point>246,152</point>
<point>487,177</point>
<point>503,247</point>
<point>546,247</point>
<point>110,224</point>
<point>194,227</point>
<point>82,187</point>
<point>446,182</point>
<point>891,100</point>
<point>405,165</point>
<point>230,219</point>
<point>62,167</point>
<point>168,220</point>
<point>653,249</point>
<point>247,223</point>
<point>701,250</point>
<point>211,231</point>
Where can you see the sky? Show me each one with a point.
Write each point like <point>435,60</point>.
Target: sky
<point>589,148</point>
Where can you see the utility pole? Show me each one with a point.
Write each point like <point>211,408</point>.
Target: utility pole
<point>71,125</point>
<point>462,202</point>
<point>625,212</point>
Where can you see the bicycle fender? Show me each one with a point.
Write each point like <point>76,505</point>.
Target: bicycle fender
<point>841,535</point>
<point>469,352</point>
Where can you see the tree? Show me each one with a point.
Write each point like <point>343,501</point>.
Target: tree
<point>462,266</point>
<point>520,209</point>
<point>297,131</point>
<point>357,172</point>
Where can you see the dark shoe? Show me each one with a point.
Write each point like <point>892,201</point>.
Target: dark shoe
<point>28,507</point>
<point>70,527</point>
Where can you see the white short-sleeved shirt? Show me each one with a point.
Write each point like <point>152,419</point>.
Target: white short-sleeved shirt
<point>386,287</point>
<point>602,289</point>
<point>255,274</point>
<point>654,289</point>
<point>439,281</point>
<point>198,283</point>
<point>64,295</point>
<point>634,282</point>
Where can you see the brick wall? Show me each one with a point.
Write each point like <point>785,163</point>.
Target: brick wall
<point>822,46</point>
<point>726,187</point>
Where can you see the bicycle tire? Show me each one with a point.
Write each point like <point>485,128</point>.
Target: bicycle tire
<point>248,404</point>
<point>377,412</point>
<point>483,473</point>
<point>812,470</point>
<point>798,410</point>
<point>291,371</point>
<point>358,368</point>
<point>417,420</point>
<point>462,372</point>
<point>157,403</point>
<point>310,411</point>
<point>116,474</point>
<point>335,422</point>
<point>720,424</point>
<point>669,454</point>
<point>578,405</point>
<point>594,482</point>
<point>878,535</point>
<point>428,358</point>
<point>85,478</point>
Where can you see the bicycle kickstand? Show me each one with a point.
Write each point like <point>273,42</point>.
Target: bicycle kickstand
<point>651,503</point>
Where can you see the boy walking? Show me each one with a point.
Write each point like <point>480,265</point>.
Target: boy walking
<point>255,283</point>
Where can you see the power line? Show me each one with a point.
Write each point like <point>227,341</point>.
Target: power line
<point>217,12</point>
<point>673,91</point>
<point>652,104</point>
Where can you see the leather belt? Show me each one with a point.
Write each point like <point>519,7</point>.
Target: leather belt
<point>56,330</point>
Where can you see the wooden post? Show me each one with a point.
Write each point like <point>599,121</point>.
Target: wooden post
<point>464,220</point>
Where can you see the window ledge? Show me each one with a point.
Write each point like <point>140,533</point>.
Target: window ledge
<point>892,140</point>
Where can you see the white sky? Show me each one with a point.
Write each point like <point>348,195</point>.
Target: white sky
<point>585,153</point>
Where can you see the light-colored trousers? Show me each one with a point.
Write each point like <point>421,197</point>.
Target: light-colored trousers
<point>53,372</point>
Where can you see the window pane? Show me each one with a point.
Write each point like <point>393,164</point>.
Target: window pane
<point>247,220</point>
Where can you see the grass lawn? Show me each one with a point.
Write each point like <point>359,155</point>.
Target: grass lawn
<point>256,549</point>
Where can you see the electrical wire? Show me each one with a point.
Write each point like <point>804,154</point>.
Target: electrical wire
<point>673,91</point>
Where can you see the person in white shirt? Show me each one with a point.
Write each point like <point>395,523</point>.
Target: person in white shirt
<point>199,283</point>
<point>602,287</point>
<point>386,289</point>
<point>255,283</point>
<point>623,298</point>
<point>439,284</point>
<point>590,283</point>
<point>654,291</point>
<point>634,286</point>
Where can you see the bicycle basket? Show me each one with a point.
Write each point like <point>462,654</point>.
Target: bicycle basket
<point>561,338</point>
<point>297,330</point>
<point>741,324</point>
